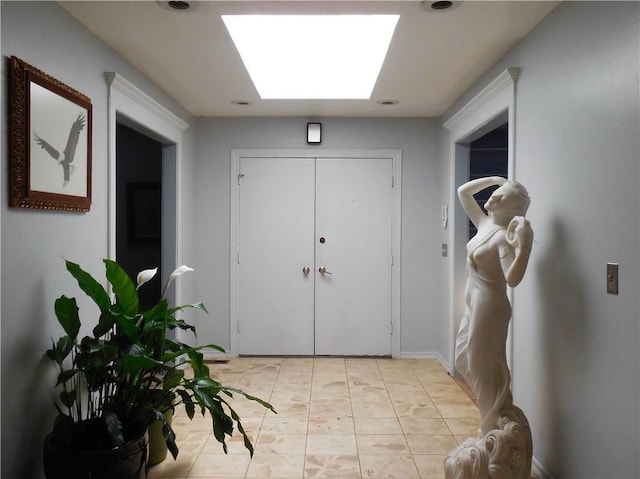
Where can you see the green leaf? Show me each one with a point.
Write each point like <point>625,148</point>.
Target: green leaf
<point>159,311</point>
<point>105,324</point>
<point>247,441</point>
<point>203,397</point>
<point>64,346</point>
<point>128,326</point>
<point>65,375</point>
<point>218,432</point>
<point>67,313</point>
<point>133,363</point>
<point>199,306</point>
<point>196,360</point>
<point>123,287</point>
<point>195,357</point>
<point>90,286</point>
<point>189,408</point>
<point>204,383</point>
<point>222,423</point>
<point>61,349</point>
<point>236,418</point>
<point>216,347</point>
<point>68,397</point>
<point>174,323</point>
<point>172,379</point>
<point>171,444</point>
<point>90,345</point>
<point>167,433</point>
<point>250,397</point>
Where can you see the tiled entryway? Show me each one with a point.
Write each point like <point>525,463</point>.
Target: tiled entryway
<point>337,418</point>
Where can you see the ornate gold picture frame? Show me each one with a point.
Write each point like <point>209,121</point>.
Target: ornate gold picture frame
<point>50,142</point>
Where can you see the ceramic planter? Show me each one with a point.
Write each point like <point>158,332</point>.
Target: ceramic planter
<point>157,445</point>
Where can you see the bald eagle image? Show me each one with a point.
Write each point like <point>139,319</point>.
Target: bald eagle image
<point>65,158</point>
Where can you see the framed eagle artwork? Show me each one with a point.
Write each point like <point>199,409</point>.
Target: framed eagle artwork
<point>50,142</point>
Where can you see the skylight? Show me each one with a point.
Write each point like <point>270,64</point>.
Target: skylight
<point>312,56</point>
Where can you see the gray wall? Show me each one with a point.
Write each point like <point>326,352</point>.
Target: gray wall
<point>34,242</point>
<point>576,365</point>
<point>421,309</point>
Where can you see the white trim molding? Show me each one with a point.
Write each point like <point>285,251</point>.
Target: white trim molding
<point>494,102</point>
<point>129,104</point>
<point>145,102</point>
<point>506,79</point>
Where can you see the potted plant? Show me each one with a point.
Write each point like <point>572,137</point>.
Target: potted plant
<point>114,383</point>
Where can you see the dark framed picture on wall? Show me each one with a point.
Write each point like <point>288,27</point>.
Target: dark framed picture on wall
<point>144,214</point>
<point>50,142</point>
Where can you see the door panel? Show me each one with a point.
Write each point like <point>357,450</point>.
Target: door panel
<point>286,206</point>
<point>275,298</point>
<point>354,216</point>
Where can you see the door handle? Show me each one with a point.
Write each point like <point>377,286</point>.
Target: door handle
<point>306,270</point>
<point>323,270</point>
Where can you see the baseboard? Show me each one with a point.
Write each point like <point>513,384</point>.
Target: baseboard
<point>210,355</point>
<point>213,355</point>
<point>433,355</point>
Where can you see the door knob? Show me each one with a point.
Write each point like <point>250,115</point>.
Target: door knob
<point>323,270</point>
<point>306,270</point>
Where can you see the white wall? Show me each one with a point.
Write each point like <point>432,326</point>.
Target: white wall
<point>421,312</point>
<point>577,362</point>
<point>34,242</point>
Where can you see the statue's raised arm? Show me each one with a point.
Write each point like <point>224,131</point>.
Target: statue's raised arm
<point>469,203</point>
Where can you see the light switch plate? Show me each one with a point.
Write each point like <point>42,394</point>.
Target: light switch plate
<point>612,278</point>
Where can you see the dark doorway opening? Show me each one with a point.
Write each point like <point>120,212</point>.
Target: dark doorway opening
<point>488,156</point>
<point>139,208</point>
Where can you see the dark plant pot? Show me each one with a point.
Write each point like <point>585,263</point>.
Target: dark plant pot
<point>126,462</point>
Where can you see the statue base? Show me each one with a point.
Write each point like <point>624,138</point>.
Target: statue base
<point>503,453</point>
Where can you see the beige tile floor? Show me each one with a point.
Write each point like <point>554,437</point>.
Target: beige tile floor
<point>337,418</point>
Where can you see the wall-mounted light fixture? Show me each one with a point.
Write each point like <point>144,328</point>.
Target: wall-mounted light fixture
<point>314,132</point>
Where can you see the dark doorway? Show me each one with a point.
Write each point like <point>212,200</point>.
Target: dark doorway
<point>488,156</point>
<point>139,208</point>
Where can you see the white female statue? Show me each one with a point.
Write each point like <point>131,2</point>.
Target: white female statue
<point>497,256</point>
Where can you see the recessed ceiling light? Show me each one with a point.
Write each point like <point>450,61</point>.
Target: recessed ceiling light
<point>387,102</point>
<point>312,56</point>
<point>440,5</point>
<point>179,5</point>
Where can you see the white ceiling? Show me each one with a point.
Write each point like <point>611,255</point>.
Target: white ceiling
<point>434,57</point>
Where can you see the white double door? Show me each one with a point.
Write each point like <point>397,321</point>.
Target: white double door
<point>315,256</point>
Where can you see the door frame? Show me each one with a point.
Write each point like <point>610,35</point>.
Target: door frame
<point>396,157</point>
<point>492,106</point>
<point>129,105</point>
